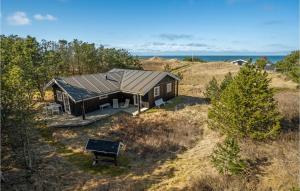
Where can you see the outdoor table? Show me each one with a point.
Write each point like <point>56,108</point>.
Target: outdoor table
<point>103,148</point>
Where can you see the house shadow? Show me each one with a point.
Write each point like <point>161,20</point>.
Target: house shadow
<point>183,101</point>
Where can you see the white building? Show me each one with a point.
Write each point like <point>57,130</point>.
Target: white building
<point>239,62</point>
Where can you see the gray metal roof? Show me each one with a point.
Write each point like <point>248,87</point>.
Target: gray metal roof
<point>116,80</point>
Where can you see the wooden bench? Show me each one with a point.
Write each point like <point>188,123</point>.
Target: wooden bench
<point>103,149</point>
<point>104,105</point>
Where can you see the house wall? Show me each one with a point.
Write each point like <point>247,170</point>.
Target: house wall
<point>57,88</point>
<point>163,91</point>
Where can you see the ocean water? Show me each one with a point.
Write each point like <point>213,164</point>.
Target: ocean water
<point>272,59</point>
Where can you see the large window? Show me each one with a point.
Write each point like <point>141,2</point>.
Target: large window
<point>59,95</point>
<point>156,91</point>
<point>169,87</point>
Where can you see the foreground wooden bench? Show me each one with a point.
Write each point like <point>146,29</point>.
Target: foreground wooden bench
<point>103,148</point>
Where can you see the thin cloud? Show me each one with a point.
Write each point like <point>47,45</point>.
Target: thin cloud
<point>170,36</point>
<point>46,17</point>
<point>278,45</point>
<point>19,18</point>
<point>158,43</point>
<point>197,45</point>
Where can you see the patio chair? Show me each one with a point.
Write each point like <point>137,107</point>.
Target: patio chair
<point>126,104</point>
<point>45,110</point>
<point>159,102</point>
<point>55,110</point>
<point>115,104</point>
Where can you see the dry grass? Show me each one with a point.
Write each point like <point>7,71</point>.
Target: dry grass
<point>169,149</point>
<point>158,64</point>
<point>156,134</point>
<point>279,81</point>
<point>288,105</point>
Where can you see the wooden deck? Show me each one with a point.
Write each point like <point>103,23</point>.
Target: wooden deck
<point>67,120</point>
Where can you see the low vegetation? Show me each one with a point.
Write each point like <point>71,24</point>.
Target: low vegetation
<point>193,59</point>
<point>168,148</point>
<point>226,157</point>
<point>246,107</point>
<point>290,66</point>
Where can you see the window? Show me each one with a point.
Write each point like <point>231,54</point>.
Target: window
<point>169,87</point>
<point>156,91</point>
<point>59,95</point>
<point>102,97</point>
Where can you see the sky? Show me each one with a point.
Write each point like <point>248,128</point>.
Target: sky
<point>161,27</point>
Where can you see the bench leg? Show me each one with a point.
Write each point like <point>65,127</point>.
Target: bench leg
<point>116,161</point>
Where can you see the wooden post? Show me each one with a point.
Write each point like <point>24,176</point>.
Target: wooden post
<point>139,103</point>
<point>83,109</point>
<point>177,82</point>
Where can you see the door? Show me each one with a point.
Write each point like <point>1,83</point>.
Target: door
<point>66,103</point>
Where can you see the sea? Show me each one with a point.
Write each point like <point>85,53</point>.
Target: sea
<point>272,59</point>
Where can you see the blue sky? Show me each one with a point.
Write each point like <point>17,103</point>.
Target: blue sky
<point>161,27</point>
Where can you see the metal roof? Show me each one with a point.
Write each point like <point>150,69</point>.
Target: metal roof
<point>116,80</point>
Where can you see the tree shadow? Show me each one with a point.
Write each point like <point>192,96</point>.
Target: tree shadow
<point>183,101</point>
<point>256,167</point>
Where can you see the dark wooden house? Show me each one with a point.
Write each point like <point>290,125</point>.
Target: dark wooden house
<point>142,88</point>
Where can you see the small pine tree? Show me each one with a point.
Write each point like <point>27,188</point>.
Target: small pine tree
<point>212,90</point>
<point>261,63</point>
<point>228,78</point>
<point>167,68</point>
<point>226,158</point>
<point>246,107</point>
<point>179,75</point>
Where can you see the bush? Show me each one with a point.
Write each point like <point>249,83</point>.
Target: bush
<point>261,62</point>
<point>228,78</point>
<point>246,107</point>
<point>290,66</point>
<point>167,68</point>
<point>179,75</point>
<point>193,59</point>
<point>226,158</point>
<point>212,90</point>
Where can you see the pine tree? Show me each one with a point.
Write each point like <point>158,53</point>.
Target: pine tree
<point>167,68</point>
<point>212,90</point>
<point>246,107</point>
<point>228,78</point>
<point>226,158</point>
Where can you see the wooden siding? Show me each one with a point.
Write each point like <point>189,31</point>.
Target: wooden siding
<point>163,91</point>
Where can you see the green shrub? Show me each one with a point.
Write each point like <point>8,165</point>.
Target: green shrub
<point>261,62</point>
<point>246,107</point>
<point>212,90</point>
<point>167,68</point>
<point>228,78</point>
<point>290,66</point>
<point>226,158</point>
<point>193,59</point>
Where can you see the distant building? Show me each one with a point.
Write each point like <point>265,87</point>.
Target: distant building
<point>239,62</point>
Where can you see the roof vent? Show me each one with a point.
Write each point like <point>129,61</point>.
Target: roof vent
<point>108,77</point>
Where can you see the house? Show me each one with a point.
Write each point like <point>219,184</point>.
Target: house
<point>142,88</point>
<point>239,62</point>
